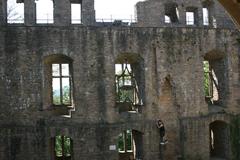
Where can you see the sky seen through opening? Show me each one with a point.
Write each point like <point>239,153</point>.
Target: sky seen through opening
<point>107,10</point>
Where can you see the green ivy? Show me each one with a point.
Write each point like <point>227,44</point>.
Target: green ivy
<point>206,78</point>
<point>58,146</point>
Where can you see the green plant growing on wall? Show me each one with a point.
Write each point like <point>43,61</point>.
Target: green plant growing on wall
<point>206,78</point>
<point>62,146</point>
<point>125,141</point>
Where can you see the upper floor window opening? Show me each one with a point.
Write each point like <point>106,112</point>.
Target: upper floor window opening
<point>190,18</point>
<point>44,11</point>
<point>167,19</point>
<point>171,13</point>
<point>15,12</point>
<point>76,13</point>
<point>205,16</point>
<point>116,10</point>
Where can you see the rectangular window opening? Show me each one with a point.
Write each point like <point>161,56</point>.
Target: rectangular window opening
<point>125,142</point>
<point>62,147</point>
<point>190,20</point>
<point>15,12</point>
<point>121,143</point>
<point>76,13</point>
<point>44,11</point>
<point>167,19</point>
<point>205,17</point>
<point>171,13</point>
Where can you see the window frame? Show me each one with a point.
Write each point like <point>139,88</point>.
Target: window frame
<point>45,20</point>
<point>188,22</point>
<point>125,142</point>
<point>206,17</point>
<point>171,13</point>
<point>123,75</point>
<point>61,85</point>
<point>76,21</point>
<point>15,12</point>
<point>62,138</point>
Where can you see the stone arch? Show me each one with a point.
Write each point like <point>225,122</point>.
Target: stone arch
<point>219,138</point>
<point>56,57</point>
<point>214,54</point>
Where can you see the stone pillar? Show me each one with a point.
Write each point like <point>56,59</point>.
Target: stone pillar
<point>62,12</point>
<point>88,12</point>
<point>29,12</point>
<point>3,12</point>
<point>182,15</point>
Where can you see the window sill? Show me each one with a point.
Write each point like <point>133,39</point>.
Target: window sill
<point>61,109</point>
<point>128,107</point>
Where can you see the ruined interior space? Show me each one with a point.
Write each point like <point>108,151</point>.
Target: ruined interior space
<point>163,87</point>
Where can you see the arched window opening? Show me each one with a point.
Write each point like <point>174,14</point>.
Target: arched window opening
<point>58,84</point>
<point>215,79</point>
<point>129,85</point>
<point>126,88</point>
<point>130,145</point>
<point>15,11</point>
<point>211,85</point>
<point>63,147</point>
<point>219,140</point>
<point>44,11</point>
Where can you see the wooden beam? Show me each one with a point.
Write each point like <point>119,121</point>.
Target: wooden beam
<point>233,8</point>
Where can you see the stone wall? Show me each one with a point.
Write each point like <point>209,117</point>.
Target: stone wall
<point>152,13</point>
<point>171,72</point>
<point>173,79</point>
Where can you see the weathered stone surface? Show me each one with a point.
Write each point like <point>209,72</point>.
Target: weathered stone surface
<point>173,87</point>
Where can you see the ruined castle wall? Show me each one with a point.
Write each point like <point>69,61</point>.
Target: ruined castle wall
<point>173,79</point>
<point>152,13</point>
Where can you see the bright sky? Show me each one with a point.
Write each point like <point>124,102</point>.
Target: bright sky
<point>105,9</point>
<point>117,9</point>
